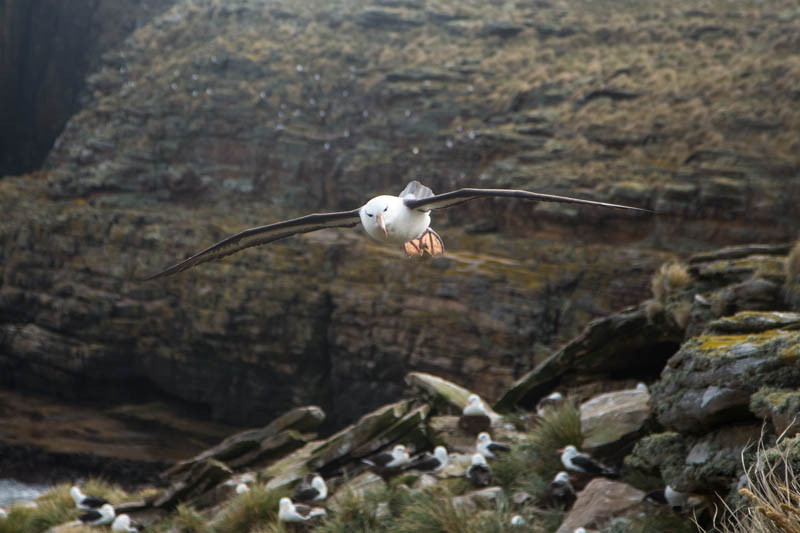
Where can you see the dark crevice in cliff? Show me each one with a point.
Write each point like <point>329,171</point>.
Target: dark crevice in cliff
<point>48,50</point>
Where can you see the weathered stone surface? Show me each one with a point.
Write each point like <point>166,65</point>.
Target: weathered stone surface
<point>202,477</point>
<point>49,48</point>
<point>779,406</point>
<point>253,446</point>
<point>397,422</point>
<point>754,322</point>
<point>702,464</point>
<point>710,379</point>
<point>445,396</point>
<point>611,346</point>
<point>612,418</point>
<point>600,501</point>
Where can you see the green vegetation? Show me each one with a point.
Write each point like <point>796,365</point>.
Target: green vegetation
<point>250,510</point>
<point>56,507</point>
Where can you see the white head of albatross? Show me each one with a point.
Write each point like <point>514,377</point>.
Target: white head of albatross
<point>84,502</point>
<point>474,407</point>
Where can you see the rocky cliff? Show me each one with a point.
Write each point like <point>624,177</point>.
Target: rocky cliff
<point>706,441</point>
<point>215,116</point>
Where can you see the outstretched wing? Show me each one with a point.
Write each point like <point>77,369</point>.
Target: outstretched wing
<point>448,199</point>
<point>262,235</point>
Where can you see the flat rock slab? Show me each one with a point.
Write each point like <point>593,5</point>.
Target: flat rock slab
<point>601,500</point>
<point>607,345</point>
<point>611,417</point>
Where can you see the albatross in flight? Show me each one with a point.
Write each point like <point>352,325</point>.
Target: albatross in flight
<point>403,219</point>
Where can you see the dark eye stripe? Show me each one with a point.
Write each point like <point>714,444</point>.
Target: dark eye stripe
<point>369,214</point>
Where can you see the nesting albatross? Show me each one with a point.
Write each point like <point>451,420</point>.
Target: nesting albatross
<point>403,219</point>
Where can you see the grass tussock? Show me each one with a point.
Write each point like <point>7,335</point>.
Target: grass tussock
<point>358,513</point>
<point>251,510</point>
<point>432,510</point>
<point>56,507</point>
<point>187,519</point>
<point>531,464</point>
<point>771,494</point>
<point>670,279</point>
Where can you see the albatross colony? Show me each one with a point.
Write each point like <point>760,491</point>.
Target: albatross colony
<point>403,219</point>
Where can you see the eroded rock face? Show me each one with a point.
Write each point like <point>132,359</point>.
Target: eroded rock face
<point>710,380</point>
<point>703,464</point>
<point>49,47</point>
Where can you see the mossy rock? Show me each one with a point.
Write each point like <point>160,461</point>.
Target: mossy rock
<point>710,380</point>
<point>780,406</point>
<point>754,322</point>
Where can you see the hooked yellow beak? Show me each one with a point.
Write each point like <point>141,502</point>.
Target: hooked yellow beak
<point>381,223</point>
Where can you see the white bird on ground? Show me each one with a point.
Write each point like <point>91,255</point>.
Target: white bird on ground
<point>124,524</point>
<point>297,512</point>
<point>559,492</point>
<point>241,488</point>
<point>474,407</point>
<point>576,461</point>
<point>84,502</point>
<point>98,517</point>
<point>3,513</point>
<point>479,472</point>
<point>403,219</point>
<point>430,462</point>
<point>517,521</point>
<point>397,458</point>
<point>489,448</point>
<point>669,496</point>
<point>315,491</point>
<point>551,401</point>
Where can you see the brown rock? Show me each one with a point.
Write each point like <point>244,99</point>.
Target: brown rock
<point>599,502</point>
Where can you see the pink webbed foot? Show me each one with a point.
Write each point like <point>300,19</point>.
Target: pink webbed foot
<point>429,242</point>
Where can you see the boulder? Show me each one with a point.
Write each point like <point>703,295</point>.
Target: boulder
<point>710,379</point>
<point>703,464</point>
<point>614,418</point>
<point>256,446</point>
<point>599,502</point>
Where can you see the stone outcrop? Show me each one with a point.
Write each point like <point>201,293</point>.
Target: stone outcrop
<point>49,48</point>
<point>614,419</point>
<point>598,502</point>
<point>625,344</point>
<point>711,379</point>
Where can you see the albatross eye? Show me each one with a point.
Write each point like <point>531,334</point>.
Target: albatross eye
<point>385,208</point>
<point>369,214</point>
